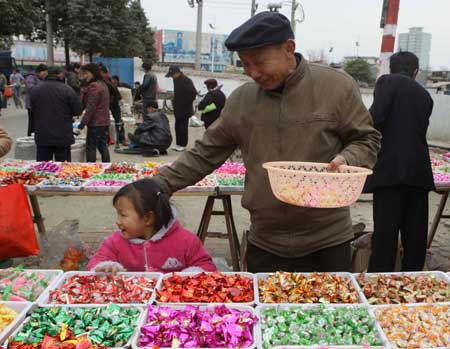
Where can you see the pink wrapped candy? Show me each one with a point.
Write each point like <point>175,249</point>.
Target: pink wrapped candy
<point>47,166</point>
<point>107,183</point>
<point>232,168</point>
<point>218,327</point>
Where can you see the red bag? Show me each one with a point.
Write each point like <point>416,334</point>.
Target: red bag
<point>8,92</point>
<point>17,235</point>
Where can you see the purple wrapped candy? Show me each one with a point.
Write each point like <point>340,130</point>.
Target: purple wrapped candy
<point>218,327</point>
<point>47,166</point>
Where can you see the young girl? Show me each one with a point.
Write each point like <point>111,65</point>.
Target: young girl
<point>150,237</point>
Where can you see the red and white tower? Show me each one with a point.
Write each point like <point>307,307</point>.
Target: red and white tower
<point>389,18</point>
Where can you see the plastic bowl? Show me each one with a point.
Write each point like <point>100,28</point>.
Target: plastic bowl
<point>310,184</point>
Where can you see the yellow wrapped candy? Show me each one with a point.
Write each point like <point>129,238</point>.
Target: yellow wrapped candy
<point>7,315</point>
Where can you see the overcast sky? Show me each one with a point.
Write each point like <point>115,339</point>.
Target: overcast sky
<point>328,23</point>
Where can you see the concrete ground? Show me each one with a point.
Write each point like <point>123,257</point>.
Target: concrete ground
<point>96,216</point>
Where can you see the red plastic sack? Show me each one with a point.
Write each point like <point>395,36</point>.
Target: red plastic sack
<point>8,92</point>
<point>17,235</point>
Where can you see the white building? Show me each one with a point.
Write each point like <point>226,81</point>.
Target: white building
<point>417,42</point>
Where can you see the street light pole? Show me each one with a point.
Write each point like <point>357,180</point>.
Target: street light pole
<point>293,20</point>
<point>213,46</point>
<point>253,10</point>
<point>48,20</point>
<point>198,38</point>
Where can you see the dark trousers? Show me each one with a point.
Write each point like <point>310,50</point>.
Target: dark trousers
<point>120,132</point>
<point>404,209</point>
<point>332,259</point>
<point>181,131</point>
<point>30,122</point>
<point>97,138</point>
<point>44,153</point>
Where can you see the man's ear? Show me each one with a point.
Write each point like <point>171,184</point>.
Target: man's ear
<point>415,73</point>
<point>290,46</point>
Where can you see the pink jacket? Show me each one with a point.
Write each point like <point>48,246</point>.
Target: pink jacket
<point>170,249</point>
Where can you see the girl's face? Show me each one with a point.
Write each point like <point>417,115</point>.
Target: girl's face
<point>87,75</point>
<point>130,223</point>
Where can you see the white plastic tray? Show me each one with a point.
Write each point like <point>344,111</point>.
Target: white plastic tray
<point>373,311</point>
<point>128,344</point>
<point>135,342</point>
<point>327,347</point>
<point>259,308</point>
<point>168,275</point>
<point>263,276</point>
<point>21,308</point>
<point>44,300</point>
<point>69,188</point>
<point>228,188</point>
<point>198,188</point>
<point>439,275</point>
<point>56,276</point>
<point>108,189</point>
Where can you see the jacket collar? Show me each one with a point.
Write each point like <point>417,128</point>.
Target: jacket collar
<point>295,76</point>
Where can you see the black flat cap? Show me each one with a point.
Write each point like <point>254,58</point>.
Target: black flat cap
<point>172,70</point>
<point>265,28</point>
<point>211,83</point>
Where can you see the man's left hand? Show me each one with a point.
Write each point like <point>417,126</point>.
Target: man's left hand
<point>336,163</point>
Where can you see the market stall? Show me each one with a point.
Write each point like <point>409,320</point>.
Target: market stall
<point>224,310</point>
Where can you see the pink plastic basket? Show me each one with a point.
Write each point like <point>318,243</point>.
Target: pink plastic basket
<point>310,184</point>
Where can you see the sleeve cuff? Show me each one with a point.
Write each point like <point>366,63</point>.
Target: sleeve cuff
<point>109,264</point>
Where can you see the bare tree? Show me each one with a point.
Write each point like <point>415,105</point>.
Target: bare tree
<point>317,56</point>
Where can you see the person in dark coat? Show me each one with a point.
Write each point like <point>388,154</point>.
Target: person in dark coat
<point>149,86</point>
<point>54,104</point>
<point>184,95</point>
<point>137,92</point>
<point>33,79</point>
<point>212,104</point>
<point>153,136</point>
<point>114,100</point>
<point>402,176</point>
<point>73,77</point>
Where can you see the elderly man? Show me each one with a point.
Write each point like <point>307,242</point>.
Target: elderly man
<point>295,111</point>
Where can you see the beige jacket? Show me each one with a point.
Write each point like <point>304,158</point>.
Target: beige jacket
<point>5,142</point>
<point>318,115</point>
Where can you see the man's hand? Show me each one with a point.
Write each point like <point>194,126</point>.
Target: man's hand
<point>107,269</point>
<point>336,163</point>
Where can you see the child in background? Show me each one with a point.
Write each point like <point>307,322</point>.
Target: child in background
<point>150,237</point>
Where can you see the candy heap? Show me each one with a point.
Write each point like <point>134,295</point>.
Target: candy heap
<point>49,167</point>
<point>416,327</point>
<point>235,168</point>
<point>64,181</point>
<point>220,327</point>
<point>7,315</point>
<point>100,289</point>
<point>107,183</point>
<point>116,176</point>
<point>318,325</point>
<point>283,287</point>
<point>17,284</point>
<point>229,180</point>
<point>26,178</point>
<point>395,289</point>
<point>16,163</point>
<point>121,167</point>
<point>80,170</point>
<point>206,288</point>
<point>208,181</point>
<point>111,326</point>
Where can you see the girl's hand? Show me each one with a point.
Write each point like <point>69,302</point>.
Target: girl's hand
<point>107,269</point>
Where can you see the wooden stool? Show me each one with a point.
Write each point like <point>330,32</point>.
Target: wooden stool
<point>231,233</point>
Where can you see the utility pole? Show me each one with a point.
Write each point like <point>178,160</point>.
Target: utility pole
<point>254,7</point>
<point>198,38</point>
<point>293,20</point>
<point>274,6</point>
<point>48,20</point>
<point>389,18</point>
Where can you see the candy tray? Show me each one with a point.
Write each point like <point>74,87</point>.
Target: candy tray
<point>168,275</point>
<point>439,275</point>
<point>263,276</point>
<point>128,344</point>
<point>44,300</point>
<point>373,311</point>
<point>21,308</point>
<point>258,311</point>
<point>240,307</point>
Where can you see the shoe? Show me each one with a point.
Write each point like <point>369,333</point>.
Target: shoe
<point>179,148</point>
<point>124,143</point>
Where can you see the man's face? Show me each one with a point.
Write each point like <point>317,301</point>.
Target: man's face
<point>61,76</point>
<point>115,82</point>
<point>269,66</point>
